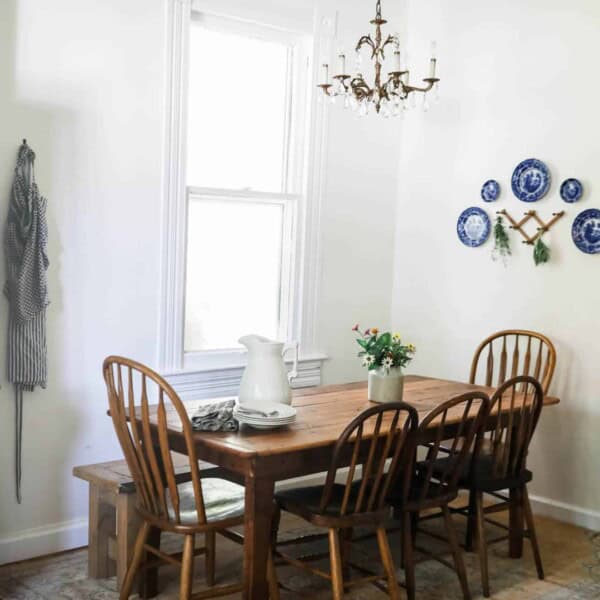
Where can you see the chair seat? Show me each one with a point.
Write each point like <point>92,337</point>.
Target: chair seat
<point>480,474</point>
<point>222,500</point>
<point>435,495</point>
<point>305,502</point>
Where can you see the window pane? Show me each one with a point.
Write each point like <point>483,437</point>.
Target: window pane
<point>237,111</point>
<point>233,272</point>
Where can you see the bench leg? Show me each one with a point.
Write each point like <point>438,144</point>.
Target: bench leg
<point>101,528</point>
<point>128,526</point>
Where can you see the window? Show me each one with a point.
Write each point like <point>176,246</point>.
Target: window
<point>243,183</point>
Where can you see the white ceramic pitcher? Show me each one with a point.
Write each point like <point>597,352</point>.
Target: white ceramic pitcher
<point>266,378</point>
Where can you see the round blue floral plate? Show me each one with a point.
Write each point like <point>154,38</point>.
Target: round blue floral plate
<point>473,227</point>
<point>490,190</point>
<point>571,190</point>
<point>530,180</point>
<point>586,231</point>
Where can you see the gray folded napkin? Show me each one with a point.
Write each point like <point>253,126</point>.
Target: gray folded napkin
<point>215,417</point>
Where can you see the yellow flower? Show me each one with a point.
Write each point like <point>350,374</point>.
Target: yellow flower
<point>411,348</point>
<point>396,338</point>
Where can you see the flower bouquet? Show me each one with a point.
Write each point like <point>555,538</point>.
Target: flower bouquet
<point>384,355</point>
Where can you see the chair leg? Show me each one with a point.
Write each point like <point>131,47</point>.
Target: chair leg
<point>515,540</point>
<point>482,545</point>
<point>346,549</point>
<point>337,576</point>
<point>271,571</point>
<point>272,579</point>
<point>388,564</point>
<point>456,553</point>
<point>209,559</point>
<point>407,556</point>
<point>138,554</point>
<point>531,532</point>
<point>187,568</point>
<point>471,520</point>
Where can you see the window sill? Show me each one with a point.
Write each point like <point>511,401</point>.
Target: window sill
<point>212,382</point>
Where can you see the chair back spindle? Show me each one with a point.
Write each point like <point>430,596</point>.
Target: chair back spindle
<point>515,409</point>
<point>510,353</point>
<point>378,434</point>
<point>456,425</point>
<point>132,388</point>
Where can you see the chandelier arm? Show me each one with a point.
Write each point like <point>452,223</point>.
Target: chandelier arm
<point>365,39</point>
<point>391,39</point>
<point>431,81</point>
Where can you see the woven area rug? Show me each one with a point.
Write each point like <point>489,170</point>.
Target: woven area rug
<point>571,559</point>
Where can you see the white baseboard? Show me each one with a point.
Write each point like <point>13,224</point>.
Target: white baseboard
<point>59,537</point>
<point>40,541</point>
<point>569,513</point>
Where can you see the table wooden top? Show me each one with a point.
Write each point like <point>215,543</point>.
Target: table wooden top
<point>323,413</point>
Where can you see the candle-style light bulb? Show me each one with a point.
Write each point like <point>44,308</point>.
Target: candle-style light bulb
<point>341,63</point>
<point>433,60</point>
<point>325,73</point>
<point>358,61</point>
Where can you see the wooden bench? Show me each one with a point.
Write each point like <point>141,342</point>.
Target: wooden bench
<point>113,518</point>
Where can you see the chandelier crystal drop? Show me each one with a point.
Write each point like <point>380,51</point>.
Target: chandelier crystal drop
<point>389,97</point>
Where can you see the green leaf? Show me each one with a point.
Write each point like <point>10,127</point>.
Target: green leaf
<point>541,252</point>
<point>386,339</point>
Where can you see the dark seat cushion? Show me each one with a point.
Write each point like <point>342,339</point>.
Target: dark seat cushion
<point>480,474</point>
<point>308,499</point>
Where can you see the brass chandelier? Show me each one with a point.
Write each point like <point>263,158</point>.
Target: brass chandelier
<point>389,97</point>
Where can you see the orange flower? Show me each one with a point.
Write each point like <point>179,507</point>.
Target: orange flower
<point>374,331</point>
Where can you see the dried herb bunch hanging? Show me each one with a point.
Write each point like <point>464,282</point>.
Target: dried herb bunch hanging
<point>501,241</point>
<point>541,252</point>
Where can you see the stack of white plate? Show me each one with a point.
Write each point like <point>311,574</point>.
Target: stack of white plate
<point>265,416</point>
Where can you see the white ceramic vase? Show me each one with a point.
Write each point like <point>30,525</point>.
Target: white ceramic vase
<point>386,385</point>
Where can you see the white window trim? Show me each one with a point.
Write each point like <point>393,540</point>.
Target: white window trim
<point>211,380</point>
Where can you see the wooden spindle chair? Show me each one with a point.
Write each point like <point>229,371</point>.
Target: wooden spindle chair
<point>457,423</point>
<point>499,463</point>
<point>200,506</point>
<point>528,352</point>
<point>378,434</point>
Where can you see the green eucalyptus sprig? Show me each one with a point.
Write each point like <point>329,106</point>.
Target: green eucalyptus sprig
<point>541,252</point>
<point>382,350</point>
<point>501,241</point>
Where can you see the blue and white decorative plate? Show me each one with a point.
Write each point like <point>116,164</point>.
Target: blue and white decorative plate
<point>473,227</point>
<point>530,180</point>
<point>490,190</point>
<point>571,190</point>
<point>586,231</point>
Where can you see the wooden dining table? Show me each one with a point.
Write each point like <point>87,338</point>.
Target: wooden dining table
<point>260,459</point>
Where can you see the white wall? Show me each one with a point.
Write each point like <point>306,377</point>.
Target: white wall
<point>517,82</point>
<point>83,81</point>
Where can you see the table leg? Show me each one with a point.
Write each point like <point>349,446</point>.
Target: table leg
<point>257,536</point>
<point>515,533</point>
<point>149,577</point>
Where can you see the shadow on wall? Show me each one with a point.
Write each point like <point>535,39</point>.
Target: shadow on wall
<point>44,449</point>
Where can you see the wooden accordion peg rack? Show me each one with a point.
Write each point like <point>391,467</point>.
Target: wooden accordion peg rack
<point>531,214</point>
